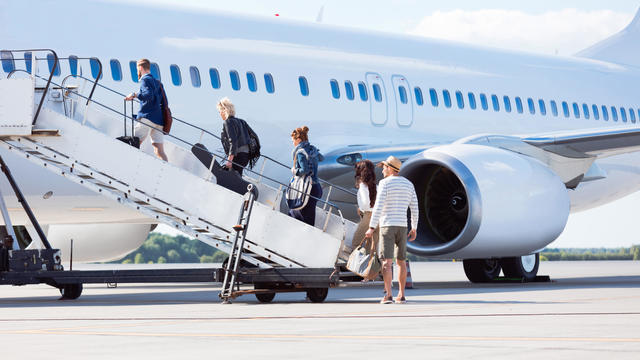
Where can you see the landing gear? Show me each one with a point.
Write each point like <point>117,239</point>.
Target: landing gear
<point>317,295</point>
<point>524,267</point>
<point>70,291</point>
<point>481,270</point>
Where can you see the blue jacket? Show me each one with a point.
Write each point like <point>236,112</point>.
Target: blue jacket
<point>305,160</point>
<point>150,99</point>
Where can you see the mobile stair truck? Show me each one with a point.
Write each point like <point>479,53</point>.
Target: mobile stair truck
<point>61,125</point>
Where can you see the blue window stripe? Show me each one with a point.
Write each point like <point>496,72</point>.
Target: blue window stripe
<point>519,105</point>
<point>418,93</point>
<point>116,70</point>
<point>596,114</point>
<point>472,101</point>
<point>194,73</point>
<point>73,65</point>
<point>446,98</point>
<point>496,102</point>
<point>403,94</point>
<point>632,115</point>
<point>614,114</point>
<point>8,63</point>
<point>377,92</point>
<point>214,76</point>
<point>51,60</point>
<point>605,113</point>
<point>554,108</point>
<point>269,84</point>
<point>335,89</point>
<point>543,107</point>
<point>134,71</point>
<point>532,106</point>
<point>362,89</point>
<point>348,90</point>
<point>235,80</point>
<point>252,84</point>
<point>507,103</point>
<point>155,71</point>
<point>483,102</point>
<point>94,63</point>
<point>623,114</point>
<point>460,99</point>
<point>27,61</point>
<point>565,109</point>
<point>434,97</point>
<point>576,111</point>
<point>585,111</point>
<point>176,77</point>
<point>304,86</point>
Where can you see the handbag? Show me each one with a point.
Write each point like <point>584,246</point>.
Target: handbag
<point>299,191</point>
<point>167,118</point>
<point>365,262</point>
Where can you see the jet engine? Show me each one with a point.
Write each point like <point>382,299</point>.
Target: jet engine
<point>478,202</point>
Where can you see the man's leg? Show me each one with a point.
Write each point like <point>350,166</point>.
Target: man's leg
<point>387,275</point>
<point>402,277</point>
<point>159,150</point>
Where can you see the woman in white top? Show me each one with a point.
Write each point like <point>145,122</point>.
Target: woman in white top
<point>366,184</point>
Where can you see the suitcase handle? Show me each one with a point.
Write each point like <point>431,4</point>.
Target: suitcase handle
<point>125,117</point>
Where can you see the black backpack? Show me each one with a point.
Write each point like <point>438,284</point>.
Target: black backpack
<point>254,144</point>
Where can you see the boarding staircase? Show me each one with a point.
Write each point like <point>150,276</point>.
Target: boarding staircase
<point>80,145</point>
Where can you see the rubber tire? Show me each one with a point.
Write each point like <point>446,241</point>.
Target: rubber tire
<point>481,270</point>
<point>513,268</point>
<point>71,291</point>
<point>265,297</point>
<point>317,295</point>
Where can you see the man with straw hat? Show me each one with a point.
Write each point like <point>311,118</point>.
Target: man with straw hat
<point>395,195</point>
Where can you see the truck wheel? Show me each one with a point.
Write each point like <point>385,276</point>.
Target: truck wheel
<point>265,297</point>
<point>317,295</point>
<point>70,291</point>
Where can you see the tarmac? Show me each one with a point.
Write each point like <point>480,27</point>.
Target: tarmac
<point>590,310</point>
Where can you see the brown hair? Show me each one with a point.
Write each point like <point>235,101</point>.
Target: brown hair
<point>145,63</point>
<point>365,173</point>
<point>300,133</point>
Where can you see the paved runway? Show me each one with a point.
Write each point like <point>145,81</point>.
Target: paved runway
<point>591,310</point>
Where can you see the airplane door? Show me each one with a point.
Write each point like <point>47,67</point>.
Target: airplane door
<point>404,100</point>
<point>377,99</point>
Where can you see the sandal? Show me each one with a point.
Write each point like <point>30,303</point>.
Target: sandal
<point>401,300</point>
<point>386,300</point>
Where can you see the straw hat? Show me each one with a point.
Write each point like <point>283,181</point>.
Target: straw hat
<point>392,162</point>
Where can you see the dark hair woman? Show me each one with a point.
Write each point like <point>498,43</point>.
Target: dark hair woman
<point>367,191</point>
<point>305,162</point>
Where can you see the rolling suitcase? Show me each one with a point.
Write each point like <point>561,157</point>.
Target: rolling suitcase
<point>131,140</point>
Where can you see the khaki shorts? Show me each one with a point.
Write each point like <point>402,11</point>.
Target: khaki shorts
<point>393,238</point>
<point>145,127</point>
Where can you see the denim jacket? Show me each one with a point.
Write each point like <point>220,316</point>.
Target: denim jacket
<point>305,160</point>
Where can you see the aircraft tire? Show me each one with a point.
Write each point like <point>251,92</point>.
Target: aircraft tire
<point>481,270</point>
<point>317,295</point>
<point>265,297</point>
<point>70,291</point>
<point>524,267</point>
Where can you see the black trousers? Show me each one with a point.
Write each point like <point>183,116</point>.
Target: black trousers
<point>240,160</point>
<point>308,213</point>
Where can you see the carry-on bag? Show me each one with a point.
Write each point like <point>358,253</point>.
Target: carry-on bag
<point>131,140</point>
<point>364,261</point>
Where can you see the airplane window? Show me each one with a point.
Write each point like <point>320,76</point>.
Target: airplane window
<point>27,61</point>
<point>446,98</point>
<point>348,89</point>
<point>195,76</point>
<point>377,93</point>
<point>639,114</point>
<point>434,97</point>
<point>95,67</point>
<point>51,59</point>
<point>134,71</point>
<point>632,115</point>
<point>496,102</point>
<point>155,71</point>
<point>460,99</point>
<point>362,89</point>
<point>507,104</point>
<point>576,111</point>
<point>252,84</point>
<point>335,89</point>
<point>116,70</point>
<point>268,83</point>
<point>623,114</point>
<point>403,94</point>
<point>483,102</point>
<point>605,113</point>
<point>8,65</point>
<point>554,108</point>
<point>472,101</point>
<point>214,75</point>
<point>565,109</point>
<point>176,77</point>
<point>614,114</point>
<point>543,107</point>
<point>532,106</point>
<point>519,105</point>
<point>73,65</point>
<point>304,86</point>
<point>235,80</point>
<point>585,111</point>
<point>418,93</point>
<point>596,114</point>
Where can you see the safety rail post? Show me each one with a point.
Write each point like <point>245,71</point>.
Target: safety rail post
<point>328,195</point>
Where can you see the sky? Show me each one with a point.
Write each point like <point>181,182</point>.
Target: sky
<point>560,27</point>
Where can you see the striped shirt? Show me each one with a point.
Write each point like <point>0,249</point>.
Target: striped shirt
<point>395,195</point>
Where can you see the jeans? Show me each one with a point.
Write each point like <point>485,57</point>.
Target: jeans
<point>240,160</point>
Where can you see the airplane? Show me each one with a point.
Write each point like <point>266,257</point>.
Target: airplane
<point>501,145</point>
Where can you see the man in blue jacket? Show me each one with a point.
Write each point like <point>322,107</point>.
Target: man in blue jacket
<point>150,121</point>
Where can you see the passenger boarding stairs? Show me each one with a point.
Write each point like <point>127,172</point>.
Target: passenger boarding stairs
<point>181,193</point>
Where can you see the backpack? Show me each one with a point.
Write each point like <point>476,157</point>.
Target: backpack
<point>254,144</point>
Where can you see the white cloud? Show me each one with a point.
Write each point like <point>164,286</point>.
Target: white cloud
<point>565,31</point>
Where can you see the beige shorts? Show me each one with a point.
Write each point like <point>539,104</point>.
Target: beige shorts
<point>393,238</point>
<point>145,127</point>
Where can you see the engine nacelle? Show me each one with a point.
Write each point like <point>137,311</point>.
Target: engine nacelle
<point>480,202</point>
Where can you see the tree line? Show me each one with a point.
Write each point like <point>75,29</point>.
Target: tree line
<point>162,248</point>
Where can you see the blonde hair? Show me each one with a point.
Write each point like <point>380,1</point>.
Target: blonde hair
<point>227,106</point>
<point>144,63</point>
<point>301,133</point>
